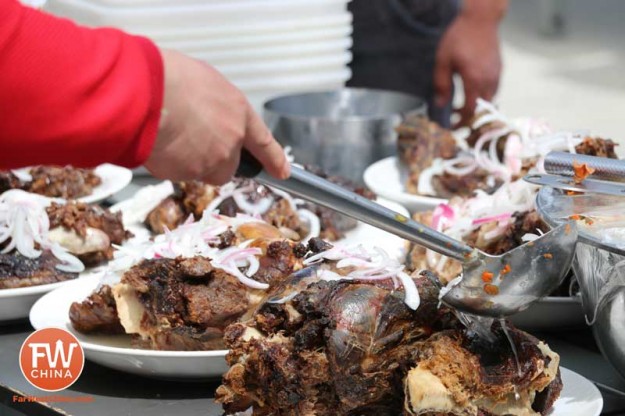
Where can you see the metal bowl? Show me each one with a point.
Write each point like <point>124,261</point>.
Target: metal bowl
<point>341,131</point>
<point>600,271</point>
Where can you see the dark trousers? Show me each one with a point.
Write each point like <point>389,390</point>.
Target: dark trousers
<point>395,45</point>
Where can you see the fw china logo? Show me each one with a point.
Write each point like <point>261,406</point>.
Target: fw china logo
<point>51,359</point>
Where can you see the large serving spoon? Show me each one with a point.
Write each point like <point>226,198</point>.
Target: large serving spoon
<point>495,286</point>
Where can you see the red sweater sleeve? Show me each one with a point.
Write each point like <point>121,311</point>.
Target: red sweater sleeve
<point>73,95</point>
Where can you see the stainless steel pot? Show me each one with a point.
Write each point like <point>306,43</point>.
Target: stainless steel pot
<point>600,271</point>
<point>341,131</point>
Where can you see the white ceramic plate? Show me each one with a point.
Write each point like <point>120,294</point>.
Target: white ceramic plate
<point>230,29</point>
<point>280,67</point>
<point>553,313</point>
<point>178,16</point>
<point>52,310</point>
<point>370,236</point>
<point>259,40</point>
<point>15,304</point>
<point>579,396</point>
<point>114,179</point>
<point>293,83</point>
<point>263,53</point>
<point>386,178</point>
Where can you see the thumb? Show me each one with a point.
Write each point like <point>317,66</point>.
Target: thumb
<point>442,82</point>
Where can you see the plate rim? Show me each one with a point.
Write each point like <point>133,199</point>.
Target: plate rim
<point>92,281</point>
<point>122,177</point>
<point>397,196</point>
<point>589,385</point>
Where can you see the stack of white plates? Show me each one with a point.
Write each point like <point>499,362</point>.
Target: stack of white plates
<point>265,47</point>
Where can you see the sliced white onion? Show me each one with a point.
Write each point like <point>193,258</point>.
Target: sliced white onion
<point>313,222</point>
<point>411,298</point>
<point>22,174</point>
<point>257,208</point>
<point>70,263</point>
<point>450,285</point>
<point>529,237</point>
<point>286,196</point>
<point>451,167</point>
<point>425,186</point>
<point>329,276</point>
<point>234,271</point>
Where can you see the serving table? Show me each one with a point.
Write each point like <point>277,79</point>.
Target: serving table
<point>112,393</point>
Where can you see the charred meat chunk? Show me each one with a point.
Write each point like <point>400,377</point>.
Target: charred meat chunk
<point>421,141</point>
<point>595,146</point>
<point>17,270</point>
<point>96,314</point>
<point>62,182</point>
<point>355,348</point>
<point>87,231</point>
<point>179,303</point>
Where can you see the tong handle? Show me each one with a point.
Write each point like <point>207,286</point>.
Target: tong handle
<point>561,163</point>
<point>325,193</point>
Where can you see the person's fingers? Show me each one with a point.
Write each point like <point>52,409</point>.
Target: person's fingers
<point>490,84</point>
<point>471,94</point>
<point>442,81</point>
<point>224,172</point>
<point>261,143</point>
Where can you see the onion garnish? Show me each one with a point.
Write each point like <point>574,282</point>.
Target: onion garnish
<point>362,264</point>
<point>447,288</point>
<point>197,239</point>
<point>25,225</point>
<point>22,174</point>
<point>500,217</point>
<point>527,140</point>
<point>313,222</point>
<point>527,237</point>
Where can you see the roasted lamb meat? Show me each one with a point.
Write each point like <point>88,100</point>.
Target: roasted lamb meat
<point>248,197</point>
<point>53,181</point>
<point>356,348</point>
<point>96,314</point>
<point>192,198</point>
<point>17,270</point>
<point>458,373</point>
<point>595,146</point>
<point>28,256</point>
<point>497,150</point>
<point>420,141</point>
<point>87,231</point>
<point>179,304</point>
<point>185,303</point>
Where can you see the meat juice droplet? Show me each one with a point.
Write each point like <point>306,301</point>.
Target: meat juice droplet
<point>502,322</point>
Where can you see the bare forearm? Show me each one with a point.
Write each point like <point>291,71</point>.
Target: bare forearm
<point>485,10</point>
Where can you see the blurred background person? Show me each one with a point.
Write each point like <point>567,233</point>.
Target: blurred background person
<point>417,46</point>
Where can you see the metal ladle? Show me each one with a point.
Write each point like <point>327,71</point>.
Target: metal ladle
<point>495,286</point>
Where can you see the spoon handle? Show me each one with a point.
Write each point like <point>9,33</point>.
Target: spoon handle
<point>325,193</point>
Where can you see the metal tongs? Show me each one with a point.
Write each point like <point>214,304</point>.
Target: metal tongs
<point>607,177</point>
<point>495,286</point>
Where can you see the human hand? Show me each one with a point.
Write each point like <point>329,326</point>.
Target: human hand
<point>205,122</point>
<point>470,48</point>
